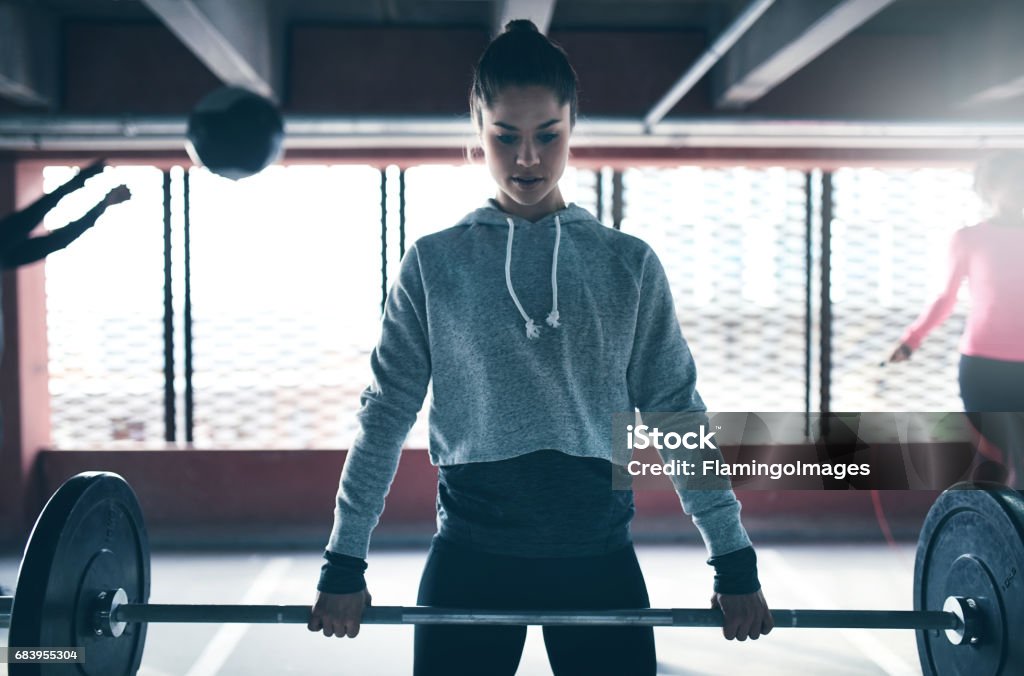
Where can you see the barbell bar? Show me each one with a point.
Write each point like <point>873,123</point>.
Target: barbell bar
<point>85,578</point>
<point>655,617</point>
<point>114,613</point>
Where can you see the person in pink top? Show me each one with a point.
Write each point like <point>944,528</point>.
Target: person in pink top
<point>989,256</point>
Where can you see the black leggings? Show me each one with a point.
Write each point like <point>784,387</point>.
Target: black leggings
<point>457,577</point>
<point>993,394</point>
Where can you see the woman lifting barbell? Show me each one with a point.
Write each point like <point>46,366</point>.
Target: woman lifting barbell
<point>526,510</point>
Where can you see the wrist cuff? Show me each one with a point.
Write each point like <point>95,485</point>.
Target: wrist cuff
<point>341,574</point>
<point>736,572</point>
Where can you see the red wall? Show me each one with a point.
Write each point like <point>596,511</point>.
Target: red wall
<point>24,398</point>
<point>211,496</point>
<point>11,479</point>
<point>225,497</point>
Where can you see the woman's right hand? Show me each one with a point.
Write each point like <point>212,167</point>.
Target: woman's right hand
<point>901,353</point>
<point>338,614</point>
<point>79,179</point>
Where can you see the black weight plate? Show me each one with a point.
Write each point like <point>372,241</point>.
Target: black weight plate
<point>90,537</point>
<point>972,545</point>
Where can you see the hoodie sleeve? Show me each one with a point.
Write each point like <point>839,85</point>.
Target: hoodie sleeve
<point>401,371</point>
<point>662,378</point>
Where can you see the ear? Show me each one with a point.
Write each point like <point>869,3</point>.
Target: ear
<point>474,152</point>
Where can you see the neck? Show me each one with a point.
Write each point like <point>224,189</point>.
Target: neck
<point>531,212</point>
<point>1013,218</point>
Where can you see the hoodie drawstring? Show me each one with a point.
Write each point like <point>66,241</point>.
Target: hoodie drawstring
<point>532,330</point>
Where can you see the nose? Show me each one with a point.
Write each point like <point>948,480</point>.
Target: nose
<point>527,155</point>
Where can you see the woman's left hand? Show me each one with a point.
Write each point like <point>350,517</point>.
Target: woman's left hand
<point>746,615</point>
<point>901,353</point>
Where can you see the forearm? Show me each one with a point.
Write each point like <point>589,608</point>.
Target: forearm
<point>365,481</point>
<point>943,305</point>
<point>371,463</point>
<point>400,364</point>
<point>37,248</point>
<point>33,250</point>
<point>716,514</point>
<point>931,318</point>
<point>23,222</point>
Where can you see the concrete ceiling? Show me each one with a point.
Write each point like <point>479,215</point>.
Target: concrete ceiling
<point>752,49</point>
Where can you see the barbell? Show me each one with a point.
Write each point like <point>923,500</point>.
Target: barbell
<point>84,581</point>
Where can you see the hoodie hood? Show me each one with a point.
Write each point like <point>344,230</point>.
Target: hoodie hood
<point>492,215</point>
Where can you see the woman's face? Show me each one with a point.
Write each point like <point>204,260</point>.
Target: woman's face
<point>525,137</point>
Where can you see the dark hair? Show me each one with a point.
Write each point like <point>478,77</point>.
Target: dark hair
<point>997,167</point>
<point>522,56</point>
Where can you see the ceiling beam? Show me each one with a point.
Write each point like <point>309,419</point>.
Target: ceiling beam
<point>1002,91</point>
<point>236,39</point>
<point>722,44</point>
<point>537,11</point>
<point>990,66</point>
<point>28,45</point>
<point>791,34</point>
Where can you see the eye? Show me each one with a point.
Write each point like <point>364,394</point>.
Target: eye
<point>507,139</point>
<point>547,138</point>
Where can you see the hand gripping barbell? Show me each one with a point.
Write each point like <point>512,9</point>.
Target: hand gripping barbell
<point>84,581</point>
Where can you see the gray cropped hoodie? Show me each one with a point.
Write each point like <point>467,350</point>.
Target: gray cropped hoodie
<point>533,335</point>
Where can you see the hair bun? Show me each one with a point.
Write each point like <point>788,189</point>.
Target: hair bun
<point>521,25</point>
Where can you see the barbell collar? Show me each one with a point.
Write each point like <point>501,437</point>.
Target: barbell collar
<point>966,611</point>
<point>104,610</point>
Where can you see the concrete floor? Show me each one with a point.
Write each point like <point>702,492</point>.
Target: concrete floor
<point>833,576</point>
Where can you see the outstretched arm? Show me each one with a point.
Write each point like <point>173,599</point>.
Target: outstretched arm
<point>34,249</point>
<point>17,226</point>
<point>942,306</point>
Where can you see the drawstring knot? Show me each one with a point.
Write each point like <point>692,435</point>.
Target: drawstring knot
<point>553,319</point>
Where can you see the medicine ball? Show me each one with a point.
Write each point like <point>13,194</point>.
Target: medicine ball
<point>235,133</point>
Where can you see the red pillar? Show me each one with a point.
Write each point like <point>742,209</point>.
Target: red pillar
<point>24,395</point>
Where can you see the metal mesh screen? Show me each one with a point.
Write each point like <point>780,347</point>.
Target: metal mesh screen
<point>890,237</point>
<point>286,290</point>
<point>286,304</point>
<point>732,242</point>
<point>104,314</point>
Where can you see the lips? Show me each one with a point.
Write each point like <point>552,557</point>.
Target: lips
<point>527,181</point>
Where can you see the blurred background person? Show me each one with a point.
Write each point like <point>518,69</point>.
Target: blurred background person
<point>988,255</point>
